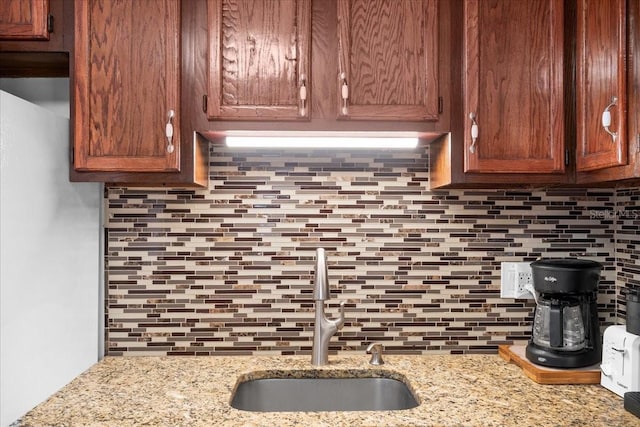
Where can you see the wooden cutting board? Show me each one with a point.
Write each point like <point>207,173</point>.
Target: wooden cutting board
<point>545,375</point>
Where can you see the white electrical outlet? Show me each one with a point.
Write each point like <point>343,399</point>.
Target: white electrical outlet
<point>515,280</point>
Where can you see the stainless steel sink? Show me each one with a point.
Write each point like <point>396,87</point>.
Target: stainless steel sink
<point>323,394</point>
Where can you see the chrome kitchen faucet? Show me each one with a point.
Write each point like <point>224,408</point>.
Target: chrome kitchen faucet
<point>324,328</point>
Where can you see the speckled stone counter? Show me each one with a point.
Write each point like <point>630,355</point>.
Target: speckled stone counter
<point>474,390</point>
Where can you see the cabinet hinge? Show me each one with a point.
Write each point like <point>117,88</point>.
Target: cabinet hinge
<point>204,103</point>
<point>638,143</point>
<point>50,23</point>
<point>566,157</point>
<point>440,105</point>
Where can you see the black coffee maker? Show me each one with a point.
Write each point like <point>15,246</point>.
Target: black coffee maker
<point>566,330</point>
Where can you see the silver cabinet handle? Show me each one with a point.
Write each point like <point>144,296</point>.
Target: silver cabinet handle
<point>345,94</point>
<point>168,131</point>
<point>606,118</point>
<point>303,95</point>
<point>474,132</point>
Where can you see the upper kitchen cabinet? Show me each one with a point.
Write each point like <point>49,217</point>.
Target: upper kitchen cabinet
<point>327,65</point>
<point>36,37</point>
<point>633,31</point>
<point>601,84</point>
<point>388,59</point>
<point>24,20</point>
<point>126,86</point>
<point>509,126</point>
<point>259,56</point>
<point>608,75</point>
<point>513,86</point>
<point>126,104</point>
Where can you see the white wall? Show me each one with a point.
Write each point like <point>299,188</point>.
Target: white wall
<point>49,93</point>
<point>50,264</point>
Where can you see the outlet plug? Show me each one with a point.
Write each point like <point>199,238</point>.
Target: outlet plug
<point>523,283</point>
<point>516,279</point>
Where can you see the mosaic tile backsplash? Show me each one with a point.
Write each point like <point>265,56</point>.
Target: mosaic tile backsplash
<point>627,218</point>
<point>229,269</point>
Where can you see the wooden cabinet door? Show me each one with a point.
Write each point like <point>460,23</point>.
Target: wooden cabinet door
<point>634,87</point>
<point>601,84</point>
<point>259,53</point>
<point>126,81</point>
<point>24,19</point>
<point>514,86</point>
<point>388,53</point>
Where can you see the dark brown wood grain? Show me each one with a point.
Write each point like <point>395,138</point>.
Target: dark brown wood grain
<point>194,149</point>
<point>629,172</point>
<point>633,31</point>
<point>24,19</point>
<point>323,87</point>
<point>126,79</point>
<point>388,52</point>
<point>34,64</point>
<point>324,64</point>
<point>601,75</point>
<point>44,57</point>
<point>448,155</point>
<point>258,55</point>
<point>514,84</point>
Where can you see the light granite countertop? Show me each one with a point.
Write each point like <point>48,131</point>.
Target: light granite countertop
<point>473,390</point>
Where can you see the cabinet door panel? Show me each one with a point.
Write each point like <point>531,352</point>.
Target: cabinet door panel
<point>258,58</point>
<point>634,87</point>
<point>514,86</point>
<point>388,53</point>
<point>601,51</point>
<point>126,82</point>
<point>24,19</point>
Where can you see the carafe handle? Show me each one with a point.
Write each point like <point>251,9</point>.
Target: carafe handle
<point>556,332</point>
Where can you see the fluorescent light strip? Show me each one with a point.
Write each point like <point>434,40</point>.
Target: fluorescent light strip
<point>321,142</point>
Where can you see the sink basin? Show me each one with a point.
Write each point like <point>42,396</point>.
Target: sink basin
<point>322,394</point>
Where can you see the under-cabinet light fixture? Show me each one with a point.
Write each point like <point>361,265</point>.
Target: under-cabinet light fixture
<point>325,140</point>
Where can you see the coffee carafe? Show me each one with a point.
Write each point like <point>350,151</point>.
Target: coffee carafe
<point>566,330</point>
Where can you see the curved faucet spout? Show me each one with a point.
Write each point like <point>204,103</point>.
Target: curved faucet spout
<point>339,322</point>
<point>323,330</point>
